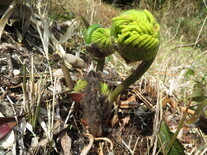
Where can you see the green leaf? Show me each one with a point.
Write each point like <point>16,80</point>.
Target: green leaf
<point>85,22</point>
<point>190,72</point>
<point>80,85</point>
<point>197,113</point>
<point>198,95</point>
<point>104,89</point>
<point>165,137</point>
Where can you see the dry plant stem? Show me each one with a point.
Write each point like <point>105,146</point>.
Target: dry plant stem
<point>182,121</point>
<point>24,75</point>
<point>100,64</point>
<point>157,120</point>
<point>129,149</point>
<point>182,109</point>
<point>7,15</point>
<point>67,76</point>
<point>10,101</point>
<point>32,93</point>
<point>10,64</point>
<point>141,69</point>
<point>31,103</point>
<point>70,111</point>
<point>200,32</point>
<point>107,140</point>
<point>204,151</point>
<point>37,109</point>
<point>26,107</point>
<point>135,145</point>
<point>197,113</point>
<point>87,148</point>
<point>147,103</point>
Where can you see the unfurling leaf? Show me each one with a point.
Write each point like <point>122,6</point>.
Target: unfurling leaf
<point>136,33</point>
<point>80,85</point>
<point>104,89</point>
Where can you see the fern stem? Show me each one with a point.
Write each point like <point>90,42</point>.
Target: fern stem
<point>100,64</point>
<point>141,69</point>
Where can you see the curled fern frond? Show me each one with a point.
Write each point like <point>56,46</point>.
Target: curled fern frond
<point>101,37</point>
<point>137,35</point>
<point>98,41</point>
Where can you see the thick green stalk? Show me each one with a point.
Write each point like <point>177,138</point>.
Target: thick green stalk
<point>100,64</point>
<point>141,69</point>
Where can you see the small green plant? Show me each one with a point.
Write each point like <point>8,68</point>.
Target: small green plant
<point>98,44</point>
<point>136,34</point>
<point>168,139</point>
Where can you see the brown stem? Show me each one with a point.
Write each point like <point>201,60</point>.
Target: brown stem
<point>67,76</point>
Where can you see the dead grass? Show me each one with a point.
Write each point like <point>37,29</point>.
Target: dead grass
<point>55,123</point>
<point>93,11</point>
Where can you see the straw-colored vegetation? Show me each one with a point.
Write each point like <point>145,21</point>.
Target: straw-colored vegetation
<point>54,101</point>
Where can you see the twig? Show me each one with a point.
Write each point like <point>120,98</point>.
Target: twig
<point>87,148</point>
<point>25,92</point>
<point>130,150</point>
<point>107,140</point>
<point>147,103</point>
<point>190,44</point>
<point>9,99</point>
<point>67,76</point>
<point>10,64</point>
<point>37,108</point>
<point>70,111</point>
<point>135,145</point>
<point>200,32</point>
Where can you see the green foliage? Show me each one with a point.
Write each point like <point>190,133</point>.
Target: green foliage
<point>89,32</point>
<point>202,82</point>
<point>101,36</point>
<point>85,22</point>
<point>193,74</point>
<point>80,85</point>
<point>202,105</point>
<point>190,72</point>
<point>198,95</point>
<point>104,89</point>
<point>137,35</point>
<point>165,137</point>
<point>98,41</point>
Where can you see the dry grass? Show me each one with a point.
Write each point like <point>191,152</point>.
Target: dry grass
<point>54,123</point>
<point>93,11</point>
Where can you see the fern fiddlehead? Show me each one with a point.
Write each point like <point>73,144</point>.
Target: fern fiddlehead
<point>136,34</point>
<point>98,43</point>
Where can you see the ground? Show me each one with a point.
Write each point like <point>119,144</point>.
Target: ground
<point>52,118</point>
